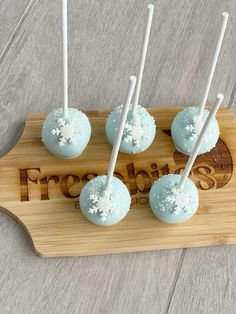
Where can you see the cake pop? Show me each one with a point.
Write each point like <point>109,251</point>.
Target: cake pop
<point>140,128</point>
<point>188,123</point>
<point>174,198</point>
<point>105,200</point>
<point>66,131</point>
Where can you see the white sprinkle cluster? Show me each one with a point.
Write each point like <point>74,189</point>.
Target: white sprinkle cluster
<point>194,129</point>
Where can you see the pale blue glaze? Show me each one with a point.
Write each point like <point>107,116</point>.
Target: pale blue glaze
<point>120,199</point>
<point>159,192</point>
<point>69,150</point>
<point>181,137</point>
<point>146,119</point>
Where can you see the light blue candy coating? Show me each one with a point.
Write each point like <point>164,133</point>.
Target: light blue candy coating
<point>146,120</point>
<point>182,137</point>
<point>161,189</point>
<point>120,199</point>
<point>80,140</point>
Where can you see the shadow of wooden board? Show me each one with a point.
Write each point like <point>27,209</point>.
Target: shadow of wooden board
<point>42,192</point>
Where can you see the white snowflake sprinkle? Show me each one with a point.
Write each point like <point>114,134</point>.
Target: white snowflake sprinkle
<point>180,200</point>
<point>102,204</point>
<point>65,132</point>
<point>135,131</point>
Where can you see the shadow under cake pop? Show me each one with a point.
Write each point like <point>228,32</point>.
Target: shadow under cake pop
<point>188,123</point>
<point>66,131</point>
<point>140,127</point>
<point>174,198</point>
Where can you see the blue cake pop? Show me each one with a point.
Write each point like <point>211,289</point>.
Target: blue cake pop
<point>140,128</point>
<point>188,123</point>
<point>170,204</point>
<point>66,132</point>
<point>105,200</point>
<point>174,198</point>
<point>66,136</point>
<point>139,131</point>
<point>105,207</point>
<point>186,128</point>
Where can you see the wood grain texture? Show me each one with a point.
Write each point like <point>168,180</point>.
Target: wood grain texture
<point>103,53</point>
<point>206,283</point>
<point>12,15</point>
<point>127,283</point>
<point>42,191</point>
<point>232,104</point>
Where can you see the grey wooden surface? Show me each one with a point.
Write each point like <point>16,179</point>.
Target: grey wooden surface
<point>105,37</point>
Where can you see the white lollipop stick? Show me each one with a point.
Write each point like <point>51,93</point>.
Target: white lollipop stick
<point>143,57</point>
<point>65,56</point>
<point>119,133</point>
<point>213,66</point>
<point>199,141</point>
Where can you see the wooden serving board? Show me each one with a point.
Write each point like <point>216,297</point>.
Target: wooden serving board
<point>42,192</point>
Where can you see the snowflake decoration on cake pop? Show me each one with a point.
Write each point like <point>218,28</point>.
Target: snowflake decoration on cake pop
<point>102,204</point>
<point>179,200</point>
<point>135,131</point>
<point>195,128</point>
<point>65,131</point>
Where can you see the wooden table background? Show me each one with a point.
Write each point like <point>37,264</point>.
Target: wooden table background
<point>105,39</point>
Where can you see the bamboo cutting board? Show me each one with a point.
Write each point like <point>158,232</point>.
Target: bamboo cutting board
<point>42,192</point>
